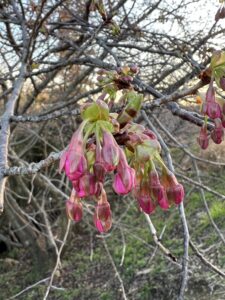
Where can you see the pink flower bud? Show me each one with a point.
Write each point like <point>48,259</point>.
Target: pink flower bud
<point>102,104</point>
<point>127,78</point>
<point>75,167</point>
<point>175,193</point>
<point>174,190</point>
<point>102,215</point>
<point>218,132</point>
<point>203,139</point>
<point>99,171</point>
<point>73,160</point>
<point>124,181</point>
<point>146,204</point>
<point>85,186</point>
<point>110,151</point>
<point>134,69</point>
<point>142,195</point>
<point>211,108</point>
<point>100,78</point>
<point>74,209</point>
<point>210,94</point>
<point>157,190</point>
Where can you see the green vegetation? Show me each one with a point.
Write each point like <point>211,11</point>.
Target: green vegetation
<point>83,278</point>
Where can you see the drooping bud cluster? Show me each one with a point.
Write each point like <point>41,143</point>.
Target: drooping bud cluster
<point>111,144</point>
<point>152,188</point>
<point>213,107</point>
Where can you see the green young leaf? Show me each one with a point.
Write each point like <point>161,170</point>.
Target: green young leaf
<point>149,149</point>
<point>218,59</point>
<point>218,65</point>
<point>89,129</point>
<point>105,125</point>
<point>132,108</point>
<point>134,103</point>
<point>95,112</point>
<point>218,73</point>
<point>111,91</point>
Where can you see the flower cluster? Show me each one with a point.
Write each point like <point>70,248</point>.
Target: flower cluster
<point>152,188</point>
<point>215,111</point>
<point>109,143</point>
<point>213,107</point>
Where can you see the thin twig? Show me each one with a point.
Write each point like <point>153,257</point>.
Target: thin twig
<point>115,269</point>
<point>29,287</point>
<point>124,247</point>
<point>157,240</point>
<point>205,261</point>
<point>219,233</point>
<point>58,260</point>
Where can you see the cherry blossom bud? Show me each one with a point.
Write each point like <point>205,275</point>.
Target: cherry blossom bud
<point>103,105</point>
<point>210,94</point>
<point>175,193</point>
<point>100,79</point>
<point>73,160</point>
<point>174,190</point>
<point>74,209</point>
<point>124,180</point>
<point>214,110</point>
<point>102,215</point>
<point>134,69</point>
<point>146,203</point>
<point>159,193</point>
<point>211,108</point>
<point>157,190</point>
<point>99,171</point>
<point>203,139</point>
<point>85,186</point>
<point>126,79</point>
<point>75,170</point>
<point>142,195</point>
<point>218,132</point>
<point>110,151</point>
